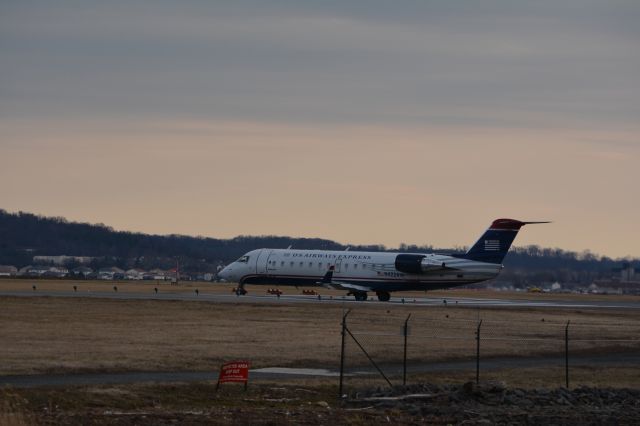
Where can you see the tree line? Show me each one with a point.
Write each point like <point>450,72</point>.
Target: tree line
<point>24,235</point>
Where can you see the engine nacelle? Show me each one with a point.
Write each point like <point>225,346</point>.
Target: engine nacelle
<point>409,263</point>
<point>417,264</point>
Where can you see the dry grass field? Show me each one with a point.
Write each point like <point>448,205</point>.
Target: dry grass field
<point>66,335</point>
<point>84,286</point>
<point>80,334</point>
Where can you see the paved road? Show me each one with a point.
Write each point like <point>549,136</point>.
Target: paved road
<point>279,373</point>
<point>417,301</point>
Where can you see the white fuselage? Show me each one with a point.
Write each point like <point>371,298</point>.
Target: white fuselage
<point>361,271</point>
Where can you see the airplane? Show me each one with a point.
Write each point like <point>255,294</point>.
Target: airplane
<point>379,272</point>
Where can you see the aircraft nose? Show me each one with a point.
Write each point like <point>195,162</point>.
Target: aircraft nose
<point>224,273</point>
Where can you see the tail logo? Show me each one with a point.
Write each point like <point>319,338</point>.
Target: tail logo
<point>492,245</point>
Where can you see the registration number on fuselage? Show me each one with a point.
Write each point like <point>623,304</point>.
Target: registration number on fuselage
<point>391,274</point>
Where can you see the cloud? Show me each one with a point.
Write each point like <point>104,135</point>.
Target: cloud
<point>413,62</point>
<point>345,115</point>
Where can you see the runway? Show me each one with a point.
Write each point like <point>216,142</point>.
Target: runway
<point>280,373</point>
<point>271,299</point>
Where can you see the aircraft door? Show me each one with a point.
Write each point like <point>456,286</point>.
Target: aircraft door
<point>272,264</point>
<point>262,263</point>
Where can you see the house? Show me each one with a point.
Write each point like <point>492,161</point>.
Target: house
<point>24,270</point>
<point>159,274</point>
<point>8,271</point>
<point>33,271</point>
<point>110,273</point>
<point>134,274</point>
<point>82,272</point>
<point>55,272</point>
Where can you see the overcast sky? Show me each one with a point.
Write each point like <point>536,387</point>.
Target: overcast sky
<point>360,121</point>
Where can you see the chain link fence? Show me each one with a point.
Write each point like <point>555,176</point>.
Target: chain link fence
<point>386,353</point>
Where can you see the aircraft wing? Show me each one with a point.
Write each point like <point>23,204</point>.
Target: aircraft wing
<point>338,285</point>
<point>327,281</point>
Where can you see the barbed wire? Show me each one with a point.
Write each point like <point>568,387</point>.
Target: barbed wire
<point>416,321</point>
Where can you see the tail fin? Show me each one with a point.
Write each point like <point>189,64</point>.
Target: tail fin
<point>494,244</point>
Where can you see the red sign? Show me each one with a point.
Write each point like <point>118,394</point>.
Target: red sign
<point>235,371</point>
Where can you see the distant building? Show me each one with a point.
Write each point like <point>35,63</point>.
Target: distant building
<point>43,271</point>
<point>62,260</point>
<point>158,274</point>
<point>628,273</point>
<point>8,271</point>
<point>55,272</point>
<point>615,287</point>
<point>134,274</point>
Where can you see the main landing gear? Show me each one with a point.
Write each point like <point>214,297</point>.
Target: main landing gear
<point>240,291</point>
<point>383,296</point>
<point>360,296</point>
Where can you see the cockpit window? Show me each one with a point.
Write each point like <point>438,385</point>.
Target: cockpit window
<point>243,259</point>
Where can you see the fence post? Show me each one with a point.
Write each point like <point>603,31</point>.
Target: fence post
<point>566,354</point>
<point>478,353</point>
<point>404,363</point>
<point>344,332</point>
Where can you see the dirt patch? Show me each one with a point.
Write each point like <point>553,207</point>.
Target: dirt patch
<point>268,404</point>
<point>494,403</point>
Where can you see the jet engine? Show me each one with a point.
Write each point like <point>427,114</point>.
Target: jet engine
<point>417,264</point>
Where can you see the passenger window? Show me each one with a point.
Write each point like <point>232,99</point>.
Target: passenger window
<point>282,263</point>
<point>346,266</point>
<point>310,264</point>
<point>301,263</point>
<point>320,265</point>
<point>291,264</point>
<point>355,266</point>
